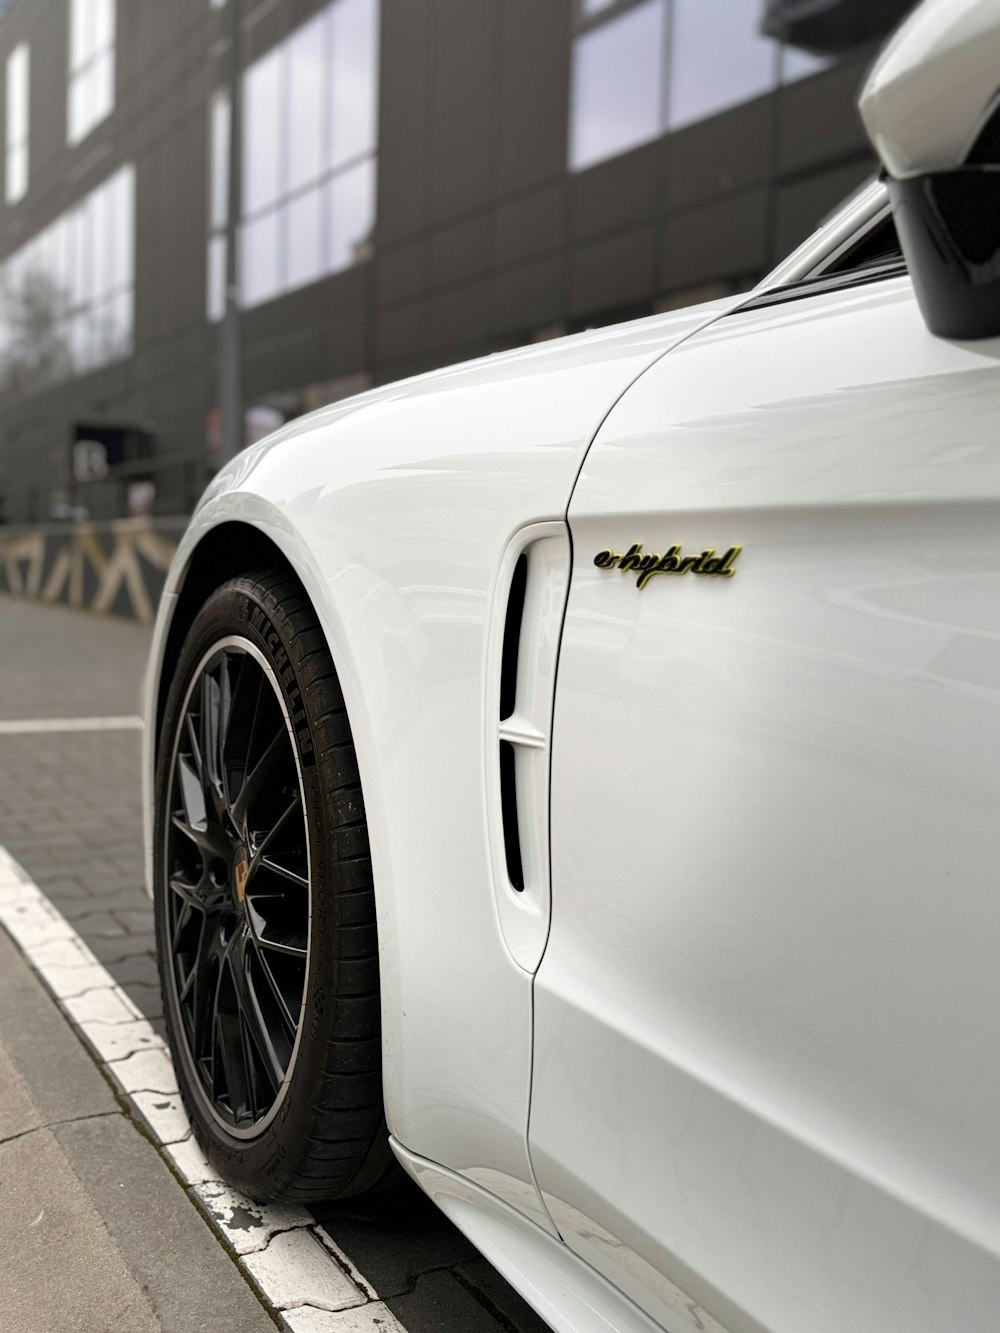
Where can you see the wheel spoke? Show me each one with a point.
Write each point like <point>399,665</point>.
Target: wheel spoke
<point>199,837</point>
<point>192,737</point>
<point>250,1067</point>
<point>251,1013</point>
<point>204,996</point>
<point>234,1069</point>
<point>209,728</point>
<point>183,918</point>
<point>189,989</point>
<point>190,895</point>
<point>280,946</point>
<point>258,775</point>
<point>277,827</point>
<point>192,793</point>
<point>224,712</point>
<point>240,722</point>
<point>300,881</point>
<point>291,1020</point>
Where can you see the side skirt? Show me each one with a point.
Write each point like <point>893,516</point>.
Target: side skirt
<point>566,1292</point>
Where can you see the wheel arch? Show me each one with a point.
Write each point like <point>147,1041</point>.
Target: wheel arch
<point>231,548</point>
<point>219,545</point>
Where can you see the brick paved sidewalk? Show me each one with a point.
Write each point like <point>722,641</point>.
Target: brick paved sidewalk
<point>70,803</point>
<point>70,812</point>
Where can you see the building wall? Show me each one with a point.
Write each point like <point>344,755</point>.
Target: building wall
<point>483,238</point>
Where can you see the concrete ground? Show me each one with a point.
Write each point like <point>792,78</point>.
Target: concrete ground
<point>95,1232</point>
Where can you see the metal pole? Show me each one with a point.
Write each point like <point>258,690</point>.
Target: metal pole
<point>230,377</point>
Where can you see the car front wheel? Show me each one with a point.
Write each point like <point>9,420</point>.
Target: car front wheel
<point>265,911</point>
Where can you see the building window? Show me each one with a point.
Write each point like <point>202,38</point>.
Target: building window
<point>67,296</point>
<point>718,58</point>
<point>17,124</point>
<point>798,64</point>
<point>642,67</point>
<point>309,142</point>
<point>617,83</point>
<point>91,65</point>
<point>218,129</point>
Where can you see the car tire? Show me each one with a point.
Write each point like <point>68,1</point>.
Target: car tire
<point>264,902</point>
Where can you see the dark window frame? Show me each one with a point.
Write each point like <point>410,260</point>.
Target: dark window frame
<point>835,272</point>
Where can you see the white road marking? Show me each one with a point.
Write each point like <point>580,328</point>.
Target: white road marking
<point>284,1252</point>
<point>38,725</point>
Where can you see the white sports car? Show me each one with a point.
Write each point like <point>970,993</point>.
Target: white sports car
<point>578,772</point>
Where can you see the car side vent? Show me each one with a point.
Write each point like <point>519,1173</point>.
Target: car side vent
<point>527,605</point>
<point>512,637</point>
<point>507,757</point>
<point>508,808</point>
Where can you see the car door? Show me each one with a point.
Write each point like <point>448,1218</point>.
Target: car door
<point>766,1089</point>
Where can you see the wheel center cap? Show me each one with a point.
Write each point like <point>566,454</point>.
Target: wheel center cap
<point>241,869</point>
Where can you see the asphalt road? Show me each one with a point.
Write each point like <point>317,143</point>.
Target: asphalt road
<point>70,814</point>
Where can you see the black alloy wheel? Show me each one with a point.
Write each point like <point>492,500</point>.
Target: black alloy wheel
<point>238,880</point>
<point>264,902</point>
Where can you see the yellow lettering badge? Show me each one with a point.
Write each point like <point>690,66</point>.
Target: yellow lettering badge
<point>647,565</point>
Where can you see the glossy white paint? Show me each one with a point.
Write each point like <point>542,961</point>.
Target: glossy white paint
<point>764,1073</point>
<point>567,1293</point>
<point>932,86</point>
<point>397,511</point>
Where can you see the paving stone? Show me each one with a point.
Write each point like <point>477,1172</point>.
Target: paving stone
<point>66,953</point>
<point>65,891</point>
<point>49,1225</point>
<point>480,1276</point>
<point>138,969</point>
<point>394,1237</point>
<point>67,982</point>
<point>163,1114</point>
<point>440,1303</point>
<point>111,951</point>
<point>145,1071</point>
<point>296,1270</point>
<point>190,1162</point>
<point>188,1277</point>
<point>33,925</point>
<point>135,920</point>
<point>113,1041</point>
<point>146,997</point>
<point>101,1005</point>
<point>375,1317</point>
<point>248,1226</point>
<point>90,921</point>
<point>19,1112</point>
<point>346,1263</point>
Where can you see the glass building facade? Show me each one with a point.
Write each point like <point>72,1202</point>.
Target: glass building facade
<point>421,182</point>
<point>309,157</point>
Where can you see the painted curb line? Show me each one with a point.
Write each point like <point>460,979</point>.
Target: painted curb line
<point>38,726</point>
<point>285,1254</point>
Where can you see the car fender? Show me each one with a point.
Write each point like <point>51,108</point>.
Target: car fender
<point>395,511</point>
